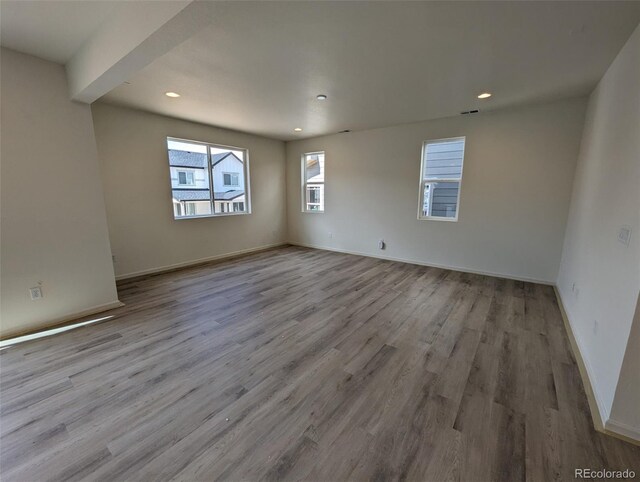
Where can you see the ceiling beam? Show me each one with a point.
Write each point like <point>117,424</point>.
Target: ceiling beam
<point>128,41</point>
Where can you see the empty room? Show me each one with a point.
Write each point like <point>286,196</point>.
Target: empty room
<point>319,241</point>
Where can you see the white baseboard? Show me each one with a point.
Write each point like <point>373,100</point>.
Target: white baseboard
<point>185,264</point>
<point>94,310</point>
<point>599,411</point>
<point>632,434</point>
<point>420,263</point>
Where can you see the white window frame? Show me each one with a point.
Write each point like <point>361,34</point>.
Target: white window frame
<point>245,169</point>
<point>424,181</point>
<point>304,182</point>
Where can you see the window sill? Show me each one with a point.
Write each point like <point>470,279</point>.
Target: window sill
<point>437,218</point>
<point>221,215</point>
<point>312,212</point>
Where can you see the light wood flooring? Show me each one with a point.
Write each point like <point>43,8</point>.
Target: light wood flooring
<point>299,364</point>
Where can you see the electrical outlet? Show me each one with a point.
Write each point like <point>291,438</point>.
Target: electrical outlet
<point>330,234</point>
<point>36,293</point>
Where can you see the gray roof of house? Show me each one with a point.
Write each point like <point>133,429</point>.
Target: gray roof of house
<point>191,194</point>
<point>227,196</point>
<point>197,160</point>
<point>187,159</point>
<point>203,195</point>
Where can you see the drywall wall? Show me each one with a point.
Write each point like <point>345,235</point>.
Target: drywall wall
<point>518,170</point>
<point>54,227</point>
<point>599,277</point>
<point>132,148</point>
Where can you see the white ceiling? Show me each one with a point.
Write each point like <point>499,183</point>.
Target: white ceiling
<point>52,30</point>
<point>259,65</point>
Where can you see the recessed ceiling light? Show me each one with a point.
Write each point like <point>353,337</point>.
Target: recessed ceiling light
<point>484,95</point>
<point>321,97</point>
<point>298,129</point>
<point>172,94</point>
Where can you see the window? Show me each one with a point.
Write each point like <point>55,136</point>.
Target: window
<point>190,209</point>
<point>441,178</point>
<point>208,179</point>
<point>231,178</point>
<point>238,207</point>
<point>313,182</point>
<point>185,178</point>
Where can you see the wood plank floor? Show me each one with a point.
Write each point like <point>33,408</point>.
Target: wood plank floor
<point>303,364</point>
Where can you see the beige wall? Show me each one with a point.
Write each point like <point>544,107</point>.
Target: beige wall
<point>135,173</point>
<point>518,170</point>
<point>54,227</point>
<point>599,277</point>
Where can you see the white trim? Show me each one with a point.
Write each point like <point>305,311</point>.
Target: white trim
<point>422,263</point>
<point>171,267</point>
<point>53,331</point>
<point>622,429</point>
<point>45,325</point>
<point>603,411</point>
<point>599,412</point>
<point>220,215</point>
<point>437,218</point>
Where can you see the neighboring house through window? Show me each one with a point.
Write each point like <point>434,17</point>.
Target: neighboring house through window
<point>207,179</point>
<point>441,179</point>
<point>313,182</point>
